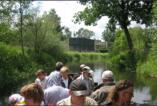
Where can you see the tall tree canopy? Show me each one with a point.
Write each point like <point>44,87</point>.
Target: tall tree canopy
<point>109,34</point>
<point>84,33</point>
<point>43,32</point>
<point>6,9</point>
<point>66,33</point>
<point>119,11</point>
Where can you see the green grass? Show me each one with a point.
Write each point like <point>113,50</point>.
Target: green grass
<point>86,57</point>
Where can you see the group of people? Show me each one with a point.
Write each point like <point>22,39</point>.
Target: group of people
<point>61,89</point>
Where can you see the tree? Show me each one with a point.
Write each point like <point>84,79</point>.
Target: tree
<point>66,33</point>
<point>6,10</point>
<point>43,32</point>
<point>119,11</point>
<point>109,34</point>
<point>23,6</point>
<point>84,33</point>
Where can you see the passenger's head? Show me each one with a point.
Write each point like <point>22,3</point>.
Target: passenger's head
<point>40,74</point>
<point>59,65</point>
<point>107,76</point>
<point>85,71</point>
<point>78,90</point>
<point>14,99</point>
<point>91,73</point>
<point>81,67</point>
<point>123,92</point>
<point>33,94</point>
<point>64,72</point>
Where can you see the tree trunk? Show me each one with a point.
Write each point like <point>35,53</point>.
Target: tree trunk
<point>131,52</point>
<point>129,40</point>
<point>21,28</point>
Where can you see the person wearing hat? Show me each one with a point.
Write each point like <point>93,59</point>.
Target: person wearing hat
<point>16,99</point>
<point>85,75</point>
<point>101,91</point>
<point>107,79</point>
<point>78,95</point>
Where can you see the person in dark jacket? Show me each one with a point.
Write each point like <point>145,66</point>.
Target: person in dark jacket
<point>102,91</point>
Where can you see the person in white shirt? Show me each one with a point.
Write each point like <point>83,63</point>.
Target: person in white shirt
<point>66,80</point>
<point>41,78</point>
<point>54,94</point>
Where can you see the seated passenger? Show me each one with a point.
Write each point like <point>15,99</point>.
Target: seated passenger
<point>66,80</point>
<point>55,77</point>
<point>78,95</point>
<point>16,99</point>
<point>85,76</point>
<point>121,95</point>
<point>103,89</point>
<point>54,94</point>
<point>41,78</point>
<point>33,94</point>
<point>107,79</point>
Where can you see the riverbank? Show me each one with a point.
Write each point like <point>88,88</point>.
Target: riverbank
<point>17,68</point>
<point>86,57</point>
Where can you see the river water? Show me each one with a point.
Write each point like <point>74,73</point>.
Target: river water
<point>145,89</point>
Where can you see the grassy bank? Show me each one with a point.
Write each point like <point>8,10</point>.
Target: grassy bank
<point>86,57</point>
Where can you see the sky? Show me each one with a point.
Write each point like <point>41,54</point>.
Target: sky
<point>66,10</point>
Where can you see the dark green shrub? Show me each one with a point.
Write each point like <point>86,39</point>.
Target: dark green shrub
<point>14,68</point>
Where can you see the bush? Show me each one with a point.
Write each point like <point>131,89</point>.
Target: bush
<point>14,68</point>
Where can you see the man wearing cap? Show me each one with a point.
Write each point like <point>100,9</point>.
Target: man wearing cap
<point>78,95</point>
<point>102,90</point>
<point>85,75</point>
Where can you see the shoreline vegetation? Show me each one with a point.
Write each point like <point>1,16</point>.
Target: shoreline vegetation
<point>16,69</point>
<point>36,41</point>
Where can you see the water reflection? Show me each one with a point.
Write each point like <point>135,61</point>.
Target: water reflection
<point>142,95</point>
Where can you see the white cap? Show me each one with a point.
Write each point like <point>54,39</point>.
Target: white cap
<point>107,74</point>
<point>86,68</point>
<point>15,98</point>
<point>82,65</point>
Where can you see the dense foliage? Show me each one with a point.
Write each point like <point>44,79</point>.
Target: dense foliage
<point>145,50</point>
<point>122,13</point>
<point>40,42</point>
<point>84,33</point>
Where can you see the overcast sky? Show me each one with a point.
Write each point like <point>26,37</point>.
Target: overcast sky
<point>66,10</point>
